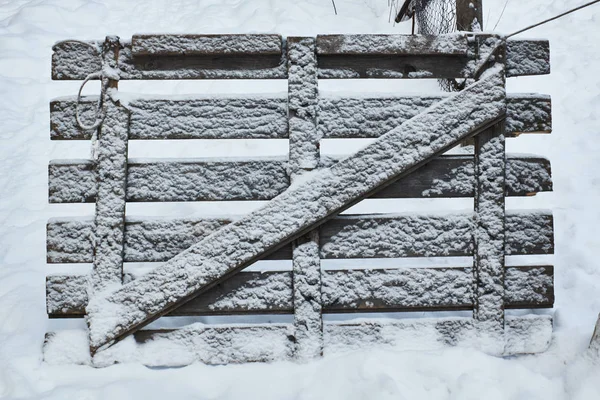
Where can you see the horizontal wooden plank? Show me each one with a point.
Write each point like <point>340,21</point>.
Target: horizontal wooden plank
<point>223,344</point>
<point>371,117</point>
<point>252,117</point>
<point>146,240</point>
<point>527,334</point>
<point>74,181</point>
<point>190,45</point>
<point>392,44</point>
<point>410,235</point>
<point>527,57</point>
<point>378,57</point>
<point>365,236</point>
<point>262,117</point>
<point>364,290</point>
<point>209,344</point>
<point>75,61</point>
<point>385,60</point>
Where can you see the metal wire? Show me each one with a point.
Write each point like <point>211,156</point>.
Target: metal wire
<point>436,17</point>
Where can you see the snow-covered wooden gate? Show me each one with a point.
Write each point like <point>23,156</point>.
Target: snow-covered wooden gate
<point>204,257</point>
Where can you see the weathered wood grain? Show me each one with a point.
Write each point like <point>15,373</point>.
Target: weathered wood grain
<point>202,45</point>
<point>448,45</point>
<point>468,13</point>
<point>362,236</point>
<point>111,167</point>
<point>344,291</point>
<point>74,181</point>
<point>371,117</point>
<point>74,61</point>
<point>223,344</point>
<point>266,117</point>
<point>295,212</point>
<point>255,117</point>
<point>490,234</point>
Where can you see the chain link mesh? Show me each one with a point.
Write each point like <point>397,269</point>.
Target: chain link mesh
<point>437,17</point>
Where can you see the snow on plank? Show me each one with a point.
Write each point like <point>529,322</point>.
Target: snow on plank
<point>455,44</point>
<point>527,57</point>
<point>251,117</point>
<point>74,181</point>
<point>75,61</point>
<point>203,45</point>
<point>224,344</point>
<point>405,235</point>
<point>348,291</point>
<point>372,116</point>
<point>295,212</point>
<point>260,117</point>
<point>526,334</point>
<point>209,344</point>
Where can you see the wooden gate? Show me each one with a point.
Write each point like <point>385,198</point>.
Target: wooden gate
<point>204,257</point>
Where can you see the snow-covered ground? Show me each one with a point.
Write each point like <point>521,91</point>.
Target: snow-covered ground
<point>29,28</point>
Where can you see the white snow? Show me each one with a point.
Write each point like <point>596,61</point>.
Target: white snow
<point>29,28</point>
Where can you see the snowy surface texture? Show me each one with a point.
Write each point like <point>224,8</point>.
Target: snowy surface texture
<point>74,181</point>
<point>371,116</point>
<point>27,33</point>
<point>109,222</point>
<point>326,193</point>
<point>490,234</point>
<point>368,289</point>
<point>248,343</point>
<point>307,280</point>
<point>383,44</point>
<point>173,45</point>
<point>267,117</point>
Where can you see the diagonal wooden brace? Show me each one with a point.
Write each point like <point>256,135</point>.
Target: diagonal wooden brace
<point>115,314</point>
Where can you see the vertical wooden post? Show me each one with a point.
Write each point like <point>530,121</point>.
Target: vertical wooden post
<point>489,236</point>
<point>304,157</point>
<point>111,168</point>
<point>469,15</point>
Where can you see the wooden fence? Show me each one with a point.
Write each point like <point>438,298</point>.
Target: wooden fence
<point>109,239</point>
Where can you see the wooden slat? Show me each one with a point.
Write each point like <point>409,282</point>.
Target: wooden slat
<point>371,117</point>
<point>295,212</point>
<point>150,240</point>
<point>344,291</point>
<point>364,236</point>
<point>448,45</point>
<point>203,45</point>
<point>222,344</point>
<point>524,57</point>
<point>109,221</point>
<point>74,181</point>
<point>256,117</point>
<point>74,61</point>
<point>391,236</point>
<point>490,234</point>
<point>304,156</point>
<point>266,117</point>
<point>527,57</point>
<point>528,334</point>
<point>209,344</point>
